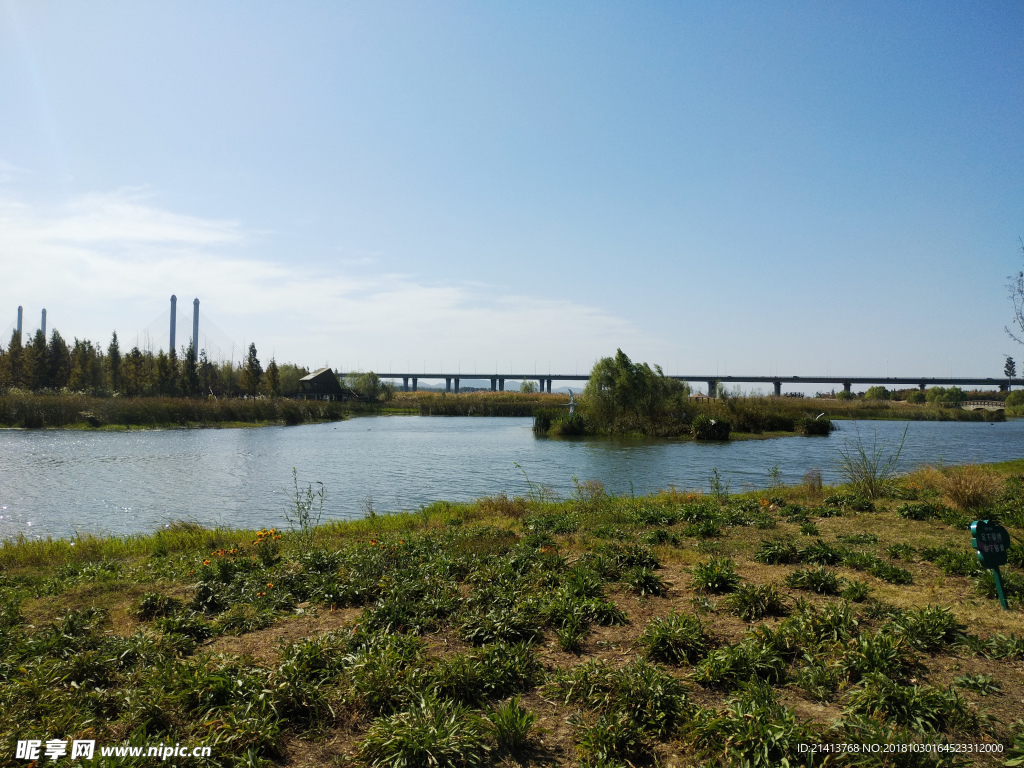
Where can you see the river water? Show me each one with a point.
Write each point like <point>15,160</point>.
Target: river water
<point>57,483</point>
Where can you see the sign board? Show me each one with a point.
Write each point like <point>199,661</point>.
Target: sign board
<point>991,541</point>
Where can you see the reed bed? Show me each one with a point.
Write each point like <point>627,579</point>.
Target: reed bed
<point>47,411</point>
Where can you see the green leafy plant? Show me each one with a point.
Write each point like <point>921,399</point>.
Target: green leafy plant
<point>717,575</point>
<point>644,581</point>
<point>675,639</point>
<point>511,724</point>
<point>777,553</point>
<point>752,602</point>
<point>307,506</point>
<point>983,684</point>
<point>820,580</point>
<point>429,733</point>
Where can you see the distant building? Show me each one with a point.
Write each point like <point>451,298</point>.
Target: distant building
<point>322,384</point>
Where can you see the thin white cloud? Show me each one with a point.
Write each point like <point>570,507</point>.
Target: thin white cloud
<point>111,260</point>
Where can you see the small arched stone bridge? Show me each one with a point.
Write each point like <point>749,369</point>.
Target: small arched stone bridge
<point>983,405</point>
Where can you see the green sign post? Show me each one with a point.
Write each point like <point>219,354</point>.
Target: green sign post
<point>991,541</point>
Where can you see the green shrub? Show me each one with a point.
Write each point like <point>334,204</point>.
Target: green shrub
<point>877,393</point>
<point>814,426</point>
<point>1015,402</point>
<point>707,428</point>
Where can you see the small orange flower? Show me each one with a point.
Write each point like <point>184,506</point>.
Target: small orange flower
<point>270,584</point>
<point>206,562</point>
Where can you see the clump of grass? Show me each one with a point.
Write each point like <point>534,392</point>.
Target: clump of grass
<point>809,529</point>
<point>878,653</point>
<point>717,575</point>
<point>640,692</point>
<point>820,553</point>
<point>754,730</point>
<point>891,573</point>
<point>612,740</point>
<point>644,581</point>
<point>430,732</point>
<point>152,605</point>
<point>919,707</point>
<point>775,552</point>
<point>731,665</point>
<point>511,724</point>
<point>856,591</point>
<point>928,629</point>
<point>676,639</point>
<point>900,551</point>
<point>969,486</point>
<point>752,602</point>
<point>820,580</point>
<point>869,469</point>
<point>819,681</point>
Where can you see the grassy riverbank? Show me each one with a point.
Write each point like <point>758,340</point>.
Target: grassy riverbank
<point>84,412</point>
<point>683,628</point>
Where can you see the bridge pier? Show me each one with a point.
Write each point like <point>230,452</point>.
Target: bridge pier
<point>712,388</point>
<point>778,388</point>
<point>549,386</point>
<point>414,380</point>
<point>456,385</point>
<point>501,385</point>
<point>447,384</point>
<point>1003,387</point>
<point>494,384</point>
<point>405,383</point>
<point>921,386</point>
<point>846,386</point>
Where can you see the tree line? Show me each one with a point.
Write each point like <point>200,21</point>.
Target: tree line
<point>83,366</point>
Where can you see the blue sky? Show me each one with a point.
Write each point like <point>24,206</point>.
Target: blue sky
<point>746,188</point>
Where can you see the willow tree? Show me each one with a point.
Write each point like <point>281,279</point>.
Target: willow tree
<point>623,397</point>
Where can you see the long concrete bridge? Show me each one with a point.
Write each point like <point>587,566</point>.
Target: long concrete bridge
<point>544,380</point>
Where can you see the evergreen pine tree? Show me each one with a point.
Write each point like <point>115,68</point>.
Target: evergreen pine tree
<point>58,362</point>
<point>114,364</point>
<point>252,372</point>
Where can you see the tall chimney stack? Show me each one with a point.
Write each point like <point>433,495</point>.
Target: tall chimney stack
<point>174,318</point>
<point>19,325</point>
<point>195,328</point>
<point>44,323</point>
